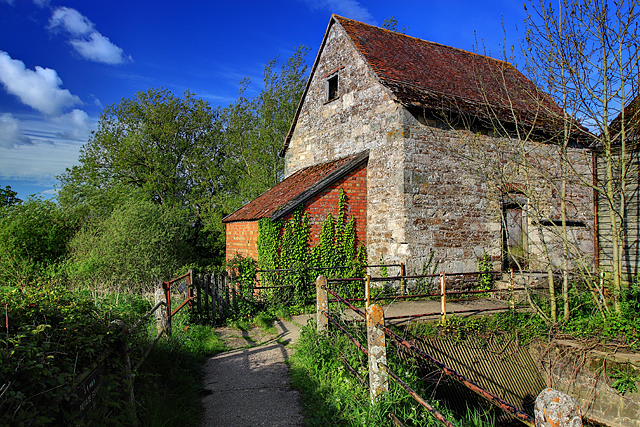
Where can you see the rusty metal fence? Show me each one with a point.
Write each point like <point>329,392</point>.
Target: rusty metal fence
<point>377,331</point>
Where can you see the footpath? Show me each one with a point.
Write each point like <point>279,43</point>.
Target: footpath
<point>249,385</point>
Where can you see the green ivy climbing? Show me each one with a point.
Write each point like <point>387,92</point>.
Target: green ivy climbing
<point>285,245</point>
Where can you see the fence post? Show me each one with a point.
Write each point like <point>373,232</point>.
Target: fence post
<point>167,292</point>
<point>190,288</point>
<point>234,287</point>
<point>224,291</point>
<point>376,343</point>
<point>511,296</point>
<point>443,298</point>
<point>322,304</point>
<point>198,287</point>
<point>367,291</point>
<point>160,314</point>
<point>403,288</point>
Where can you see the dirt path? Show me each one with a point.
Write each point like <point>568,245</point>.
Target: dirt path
<point>249,386</point>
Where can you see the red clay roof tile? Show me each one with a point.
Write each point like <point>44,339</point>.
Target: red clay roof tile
<point>434,76</point>
<point>290,190</point>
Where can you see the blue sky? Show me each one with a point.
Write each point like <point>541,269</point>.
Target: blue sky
<point>62,61</point>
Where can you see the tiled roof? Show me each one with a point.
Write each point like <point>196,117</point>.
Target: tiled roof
<point>430,75</point>
<point>631,118</point>
<point>296,189</point>
<point>446,79</point>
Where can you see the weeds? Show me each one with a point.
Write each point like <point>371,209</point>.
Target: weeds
<point>331,395</point>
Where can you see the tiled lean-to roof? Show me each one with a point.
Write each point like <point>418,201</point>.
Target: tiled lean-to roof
<point>445,79</point>
<point>296,189</point>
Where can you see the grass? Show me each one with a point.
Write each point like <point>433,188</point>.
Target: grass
<point>331,395</point>
<point>169,386</point>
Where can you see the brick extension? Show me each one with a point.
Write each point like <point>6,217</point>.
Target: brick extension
<point>317,190</point>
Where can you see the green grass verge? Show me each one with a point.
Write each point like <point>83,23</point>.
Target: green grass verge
<point>169,386</point>
<point>331,395</point>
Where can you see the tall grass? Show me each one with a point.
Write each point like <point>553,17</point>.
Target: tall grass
<point>331,394</point>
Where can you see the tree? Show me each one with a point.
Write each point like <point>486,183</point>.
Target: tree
<point>255,128</point>
<point>8,197</point>
<point>586,56</point>
<point>33,238</point>
<point>149,146</point>
<point>391,24</point>
<point>151,142</point>
<point>139,243</point>
<point>182,153</point>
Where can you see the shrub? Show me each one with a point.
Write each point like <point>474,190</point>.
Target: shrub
<point>139,243</point>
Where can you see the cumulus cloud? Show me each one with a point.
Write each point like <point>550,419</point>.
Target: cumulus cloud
<point>39,88</point>
<point>348,8</point>
<point>77,123</point>
<point>11,132</point>
<point>84,38</point>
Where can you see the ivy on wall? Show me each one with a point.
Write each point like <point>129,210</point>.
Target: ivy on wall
<point>285,245</point>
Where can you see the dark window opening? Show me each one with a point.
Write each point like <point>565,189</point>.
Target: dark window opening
<point>332,88</point>
<point>514,253</point>
<point>558,223</point>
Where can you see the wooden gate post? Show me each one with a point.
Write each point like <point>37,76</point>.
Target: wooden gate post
<point>322,304</point>
<point>403,285</point>
<point>377,347</point>
<point>167,292</point>
<point>443,298</point>
<point>367,291</point>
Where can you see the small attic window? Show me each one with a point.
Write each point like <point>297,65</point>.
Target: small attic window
<point>331,86</point>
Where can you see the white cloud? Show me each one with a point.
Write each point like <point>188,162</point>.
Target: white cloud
<point>41,3</point>
<point>40,162</point>
<point>11,132</point>
<point>96,101</point>
<point>51,152</point>
<point>348,8</point>
<point>84,38</point>
<point>39,89</point>
<point>71,20</point>
<point>98,48</point>
<point>77,123</point>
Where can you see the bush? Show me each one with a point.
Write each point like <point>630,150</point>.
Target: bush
<point>139,243</point>
<point>53,335</point>
<point>33,238</point>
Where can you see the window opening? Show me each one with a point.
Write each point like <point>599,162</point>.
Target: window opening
<point>332,87</point>
<point>513,234</point>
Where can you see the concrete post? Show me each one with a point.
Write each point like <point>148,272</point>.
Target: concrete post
<point>161,313</point>
<point>377,347</point>
<point>556,409</point>
<point>322,304</point>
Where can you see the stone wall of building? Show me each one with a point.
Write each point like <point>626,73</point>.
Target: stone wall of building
<point>456,181</point>
<point>364,116</point>
<point>429,189</point>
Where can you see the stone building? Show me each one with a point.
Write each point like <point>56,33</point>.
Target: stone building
<point>441,168</point>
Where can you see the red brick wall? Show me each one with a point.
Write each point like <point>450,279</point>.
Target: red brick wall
<point>242,238</point>
<point>355,188</point>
